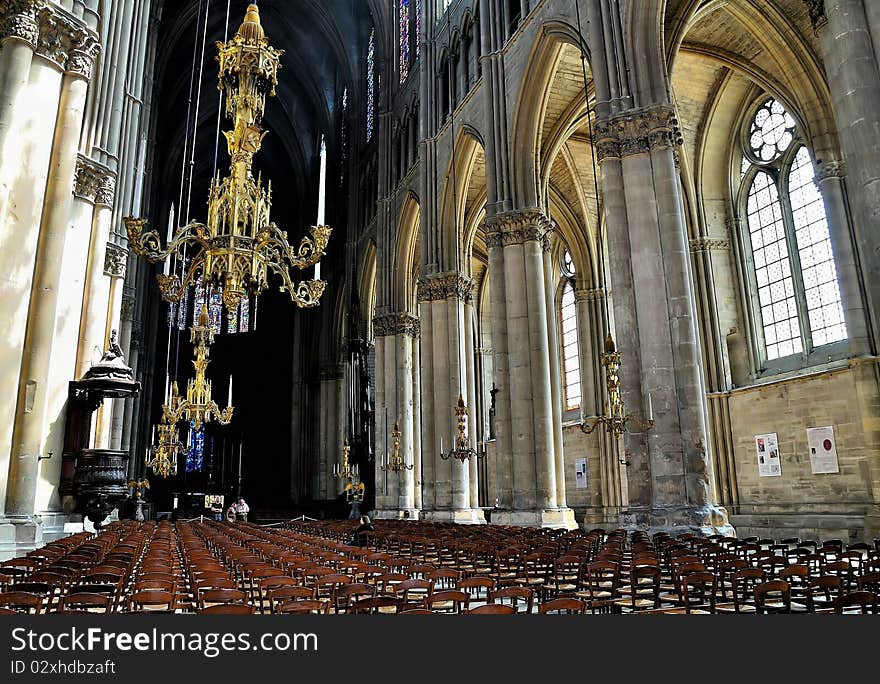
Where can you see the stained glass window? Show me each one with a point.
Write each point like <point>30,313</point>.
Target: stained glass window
<point>215,309</point>
<point>798,297</point>
<point>195,455</point>
<point>245,315</point>
<point>232,320</point>
<point>418,27</point>
<point>371,77</point>
<point>404,38</point>
<point>181,312</point>
<point>571,364</point>
<point>198,300</point>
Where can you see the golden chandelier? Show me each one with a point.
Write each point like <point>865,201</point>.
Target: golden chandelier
<point>198,408</point>
<point>616,418</point>
<point>395,463</point>
<point>346,470</point>
<point>238,246</point>
<point>461,443</point>
<point>165,450</point>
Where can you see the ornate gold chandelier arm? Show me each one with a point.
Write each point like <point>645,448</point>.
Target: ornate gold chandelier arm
<point>172,288</point>
<point>274,241</point>
<point>148,245</point>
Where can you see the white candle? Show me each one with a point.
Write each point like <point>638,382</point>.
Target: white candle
<point>167,387</point>
<point>322,185</point>
<point>240,445</point>
<point>318,271</point>
<point>441,444</point>
<point>167,265</point>
<point>229,401</point>
<point>650,408</point>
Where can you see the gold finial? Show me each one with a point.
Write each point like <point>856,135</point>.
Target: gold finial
<point>251,30</point>
<point>204,318</point>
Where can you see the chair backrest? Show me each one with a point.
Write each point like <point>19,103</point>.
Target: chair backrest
<point>152,600</point>
<point>85,603</point>
<point>865,601</point>
<point>459,600</point>
<point>214,597</point>
<point>698,591</point>
<point>778,591</point>
<point>228,609</point>
<point>376,604</point>
<point>492,609</point>
<point>560,606</point>
<point>305,606</point>
<point>514,596</point>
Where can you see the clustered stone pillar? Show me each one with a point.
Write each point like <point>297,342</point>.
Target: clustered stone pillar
<point>447,491</point>
<point>853,72</point>
<point>396,491</point>
<point>522,324</point>
<point>30,413</point>
<point>670,472</point>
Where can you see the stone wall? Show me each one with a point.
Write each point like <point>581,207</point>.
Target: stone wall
<point>799,503</point>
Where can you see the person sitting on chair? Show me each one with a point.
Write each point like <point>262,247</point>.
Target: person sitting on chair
<point>361,534</point>
<point>230,513</point>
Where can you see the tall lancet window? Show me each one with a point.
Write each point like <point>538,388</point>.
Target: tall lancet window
<point>794,280</point>
<point>371,84</point>
<point>571,363</point>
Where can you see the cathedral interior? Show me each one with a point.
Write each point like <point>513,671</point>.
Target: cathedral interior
<point>560,264</point>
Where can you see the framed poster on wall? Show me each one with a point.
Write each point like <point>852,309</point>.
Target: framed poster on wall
<point>767,446</point>
<point>580,473</point>
<point>823,450</point>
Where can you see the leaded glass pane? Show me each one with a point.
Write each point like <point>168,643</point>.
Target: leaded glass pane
<point>781,324</point>
<point>570,350</point>
<point>821,289</point>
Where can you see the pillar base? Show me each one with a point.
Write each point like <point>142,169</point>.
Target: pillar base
<point>552,518</point>
<point>705,520</point>
<point>465,516</point>
<point>19,534</point>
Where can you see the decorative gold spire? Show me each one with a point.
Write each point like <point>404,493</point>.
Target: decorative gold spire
<point>251,30</point>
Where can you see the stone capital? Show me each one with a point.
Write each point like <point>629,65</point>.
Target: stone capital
<point>115,260</point>
<point>517,227</point>
<point>830,169</point>
<point>393,324</point>
<point>817,13</point>
<point>18,20</point>
<point>66,41</point>
<point>442,286</point>
<point>637,132</point>
<point>589,295</point>
<point>707,244</point>
<point>92,181</point>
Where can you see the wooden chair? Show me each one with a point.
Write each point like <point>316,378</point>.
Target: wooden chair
<point>644,589</point>
<point>229,609</point>
<point>311,607</point>
<point>417,611</point>
<point>870,582</point>
<point>414,593</point>
<point>492,609</point>
<point>864,601</point>
<point>220,597</point>
<point>277,597</point>
<point>449,601</point>
<point>348,594</point>
<point>823,592</point>
<point>602,584</point>
<point>85,603</point>
<point>743,583</point>
<point>477,587</point>
<point>565,578</point>
<point>699,592</point>
<point>563,606</point>
<point>376,605</point>
<point>514,596</point>
<point>773,597</point>
<point>152,601</point>
<point>22,602</point>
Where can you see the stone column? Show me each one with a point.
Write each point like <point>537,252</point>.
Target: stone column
<point>115,261</point>
<point>503,424</point>
<point>555,370</point>
<point>96,295</point>
<point>430,434</point>
<point>527,329</point>
<point>31,406</point>
<point>830,177</point>
<point>417,425</point>
<point>656,326</point>
<point>19,34</point>
<point>471,399</point>
<point>446,293</point>
<point>854,80</point>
